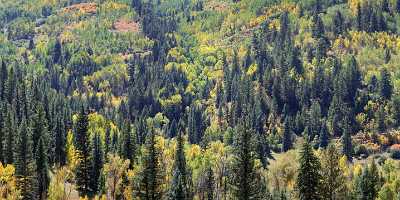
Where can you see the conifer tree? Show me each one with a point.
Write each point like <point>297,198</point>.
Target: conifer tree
<point>245,180</point>
<point>309,177</point>
<point>385,85</point>
<point>210,183</point>
<point>347,146</point>
<point>83,169</point>
<point>9,131</point>
<point>287,136</point>
<point>42,168</point>
<point>333,180</point>
<point>152,176</point>
<point>338,23</point>
<point>324,137</point>
<point>180,182</point>
<point>97,163</point>
<point>368,183</point>
<point>127,143</point>
<point>3,79</point>
<point>25,165</point>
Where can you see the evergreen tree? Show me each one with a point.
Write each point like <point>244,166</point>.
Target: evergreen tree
<point>180,182</point>
<point>83,168</point>
<point>385,85</point>
<point>127,143</point>
<point>152,176</point>
<point>347,146</point>
<point>287,136</point>
<point>309,177</point>
<point>333,179</point>
<point>42,169</point>
<point>368,183</point>
<point>210,184</point>
<point>318,29</point>
<point>25,165</point>
<point>245,180</point>
<point>338,28</point>
<point>9,131</point>
<point>398,6</point>
<point>3,79</point>
<point>324,137</point>
<point>97,163</point>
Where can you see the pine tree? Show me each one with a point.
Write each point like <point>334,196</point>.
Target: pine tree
<point>396,110</point>
<point>287,136</point>
<point>59,141</point>
<point>3,79</point>
<point>333,180</point>
<point>39,128</point>
<point>324,137</point>
<point>338,28</point>
<point>367,185</point>
<point>152,176</point>
<point>9,131</point>
<point>387,55</point>
<point>180,182</point>
<point>210,183</point>
<point>42,168</point>
<point>127,143</point>
<point>385,85</point>
<point>83,169</point>
<point>347,146</point>
<point>309,177</point>
<point>318,29</point>
<point>245,180</point>
<point>398,6</point>
<point>25,165</point>
<point>97,163</point>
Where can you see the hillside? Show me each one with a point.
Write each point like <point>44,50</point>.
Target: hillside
<point>200,99</point>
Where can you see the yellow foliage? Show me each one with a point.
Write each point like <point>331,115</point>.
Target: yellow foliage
<point>8,189</point>
<point>72,157</point>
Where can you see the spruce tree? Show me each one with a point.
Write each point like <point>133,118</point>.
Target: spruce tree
<point>152,176</point>
<point>333,180</point>
<point>180,181</point>
<point>385,85</point>
<point>324,137</point>
<point>210,187</point>
<point>127,143</point>
<point>97,163</point>
<point>347,146</point>
<point>287,136</point>
<point>3,79</point>
<point>42,168</point>
<point>83,168</point>
<point>9,131</point>
<point>309,177</point>
<point>367,185</point>
<point>245,180</point>
<point>25,165</point>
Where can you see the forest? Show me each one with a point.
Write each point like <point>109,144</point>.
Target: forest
<point>200,99</point>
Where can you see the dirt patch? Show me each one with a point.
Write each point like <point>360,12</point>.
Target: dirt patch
<point>216,6</point>
<point>89,8</point>
<point>124,26</point>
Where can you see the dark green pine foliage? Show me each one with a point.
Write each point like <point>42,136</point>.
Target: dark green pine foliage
<point>152,176</point>
<point>318,29</point>
<point>39,128</point>
<point>338,28</point>
<point>59,135</point>
<point>385,85</point>
<point>324,137</point>
<point>83,169</point>
<point>387,55</point>
<point>9,131</point>
<point>42,168</point>
<point>347,144</point>
<point>97,163</point>
<point>10,88</point>
<point>396,110</point>
<point>3,79</point>
<point>25,165</point>
<point>2,132</point>
<point>210,183</point>
<point>127,143</point>
<point>398,6</point>
<point>309,177</point>
<point>245,180</point>
<point>180,188</point>
<point>287,142</point>
<point>368,183</point>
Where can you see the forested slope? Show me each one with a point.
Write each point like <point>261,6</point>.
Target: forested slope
<point>200,99</point>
